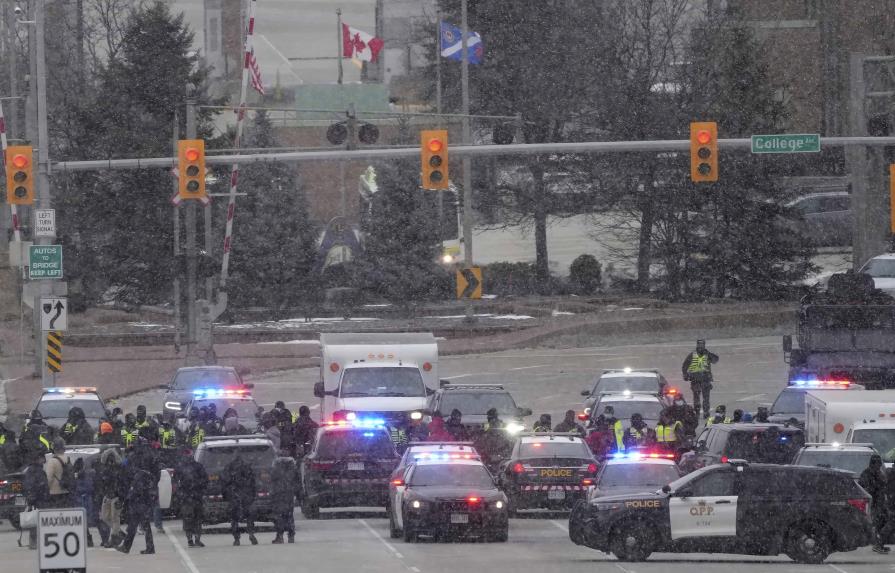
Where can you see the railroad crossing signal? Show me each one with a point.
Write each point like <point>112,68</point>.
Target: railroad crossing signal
<point>469,282</point>
<point>434,156</point>
<point>191,168</point>
<point>54,351</point>
<point>19,175</point>
<point>703,151</point>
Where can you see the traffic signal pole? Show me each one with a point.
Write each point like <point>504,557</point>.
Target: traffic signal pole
<point>191,254</point>
<point>467,140</point>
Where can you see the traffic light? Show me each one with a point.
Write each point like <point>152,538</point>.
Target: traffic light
<point>19,175</point>
<point>703,151</point>
<point>191,168</point>
<point>434,154</point>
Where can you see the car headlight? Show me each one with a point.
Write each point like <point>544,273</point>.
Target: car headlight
<point>416,415</point>
<point>417,504</point>
<point>514,428</point>
<point>172,405</point>
<point>498,504</point>
<point>587,410</point>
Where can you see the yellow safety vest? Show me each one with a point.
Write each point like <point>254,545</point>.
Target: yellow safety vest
<point>699,364</point>
<point>168,439</point>
<point>129,437</point>
<point>2,439</point>
<point>68,428</point>
<point>45,442</point>
<point>398,435</point>
<point>711,421</point>
<point>619,435</point>
<point>197,438</point>
<point>666,434</point>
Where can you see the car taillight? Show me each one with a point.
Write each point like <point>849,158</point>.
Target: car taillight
<point>321,465</point>
<point>724,459</point>
<point>587,482</point>
<point>518,468</point>
<point>582,416</point>
<point>591,468</point>
<point>861,505</point>
<point>397,482</point>
<point>472,499</point>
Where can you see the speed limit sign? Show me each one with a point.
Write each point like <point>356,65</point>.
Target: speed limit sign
<point>61,539</point>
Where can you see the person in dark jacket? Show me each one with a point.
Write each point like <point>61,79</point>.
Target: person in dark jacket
<point>231,425</point>
<point>239,487</point>
<point>284,480</point>
<point>284,425</point>
<point>10,460</point>
<point>305,429</point>
<point>83,495</point>
<point>697,369</point>
<point>454,425</point>
<point>36,438</point>
<point>77,431</point>
<point>569,424</point>
<point>873,480</point>
<point>36,488</point>
<point>544,424</point>
<point>108,480</point>
<point>139,491</point>
<point>191,481</point>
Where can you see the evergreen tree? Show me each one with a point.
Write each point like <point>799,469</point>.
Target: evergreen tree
<point>274,254</point>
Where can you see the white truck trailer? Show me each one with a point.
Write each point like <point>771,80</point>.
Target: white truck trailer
<point>830,414</point>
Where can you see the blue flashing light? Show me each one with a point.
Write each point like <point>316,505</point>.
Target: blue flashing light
<point>368,423</point>
<point>369,434</point>
<point>818,383</point>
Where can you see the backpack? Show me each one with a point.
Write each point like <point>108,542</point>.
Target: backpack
<point>67,482</point>
<point>35,485</point>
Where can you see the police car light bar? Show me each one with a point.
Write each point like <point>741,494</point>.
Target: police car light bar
<point>816,383</point>
<point>444,456</point>
<point>642,456</point>
<point>219,392</point>
<point>370,423</point>
<point>70,390</point>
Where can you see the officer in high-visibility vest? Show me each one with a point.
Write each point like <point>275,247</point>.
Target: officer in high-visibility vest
<point>638,434</point>
<point>669,432</point>
<point>720,416</point>
<point>614,427</point>
<point>697,369</point>
<point>130,432</point>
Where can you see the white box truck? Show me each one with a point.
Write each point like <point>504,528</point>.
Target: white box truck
<point>830,414</point>
<point>376,376</point>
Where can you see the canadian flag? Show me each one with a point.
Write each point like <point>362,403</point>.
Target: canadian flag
<point>359,45</point>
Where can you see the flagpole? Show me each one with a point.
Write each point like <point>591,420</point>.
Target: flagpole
<point>340,40</point>
<point>438,60</point>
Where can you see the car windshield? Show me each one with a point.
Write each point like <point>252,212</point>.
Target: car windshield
<point>245,409</point>
<point>558,449</point>
<point>622,383</point>
<point>477,403</point>
<point>880,268</point>
<point>650,476</point>
<point>371,443</point>
<point>385,381</point>
<point>60,408</point>
<point>215,459</point>
<point>883,441</point>
<point>454,475</point>
<point>789,402</point>
<point>853,461</point>
<point>193,379</point>
<point>625,409</point>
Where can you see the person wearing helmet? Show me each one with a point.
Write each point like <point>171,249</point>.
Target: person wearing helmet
<point>140,494</point>
<point>493,420</point>
<point>77,430</point>
<point>191,481</point>
<point>129,432</point>
<point>35,438</point>
<point>240,489</point>
<point>283,488</point>
<point>544,424</point>
<point>304,429</point>
<point>720,416</point>
<point>146,427</point>
<point>873,480</point>
<point>638,433</point>
<point>455,426</point>
<point>697,369</point>
<point>569,424</point>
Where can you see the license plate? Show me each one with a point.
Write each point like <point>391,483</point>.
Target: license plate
<point>556,494</point>
<point>356,466</point>
<point>459,518</point>
<point>20,500</point>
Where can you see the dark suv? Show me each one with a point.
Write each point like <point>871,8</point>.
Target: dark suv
<point>760,443</point>
<point>216,452</point>
<point>348,466</point>
<point>191,378</point>
<point>474,401</point>
<point>737,507</point>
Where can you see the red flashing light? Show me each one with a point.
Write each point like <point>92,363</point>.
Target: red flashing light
<point>334,367</point>
<point>397,482</point>
<point>518,468</point>
<point>703,136</point>
<point>671,391</point>
<point>472,499</point>
<point>435,145</point>
<point>591,468</point>
<point>838,427</point>
<point>724,459</point>
<point>191,154</point>
<point>19,161</point>
<point>427,367</point>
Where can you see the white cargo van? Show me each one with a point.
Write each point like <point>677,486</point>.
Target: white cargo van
<point>881,434</point>
<point>830,414</point>
<point>376,375</point>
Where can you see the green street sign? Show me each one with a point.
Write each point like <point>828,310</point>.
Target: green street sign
<point>45,261</point>
<point>789,143</point>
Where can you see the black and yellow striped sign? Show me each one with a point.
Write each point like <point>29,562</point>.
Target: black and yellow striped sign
<point>54,351</point>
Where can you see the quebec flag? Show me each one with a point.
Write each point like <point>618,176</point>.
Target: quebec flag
<point>452,45</point>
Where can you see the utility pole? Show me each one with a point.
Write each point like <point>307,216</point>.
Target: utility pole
<point>467,140</point>
<point>175,216</point>
<point>191,253</point>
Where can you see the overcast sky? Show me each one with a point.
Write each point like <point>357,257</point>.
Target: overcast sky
<point>295,28</point>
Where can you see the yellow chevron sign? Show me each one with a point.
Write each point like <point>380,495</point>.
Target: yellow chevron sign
<point>54,351</point>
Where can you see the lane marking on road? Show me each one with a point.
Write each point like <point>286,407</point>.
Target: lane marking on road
<point>530,367</point>
<point>559,525</point>
<point>627,570</point>
<point>187,561</point>
<point>752,397</point>
<point>382,539</point>
<point>837,568</point>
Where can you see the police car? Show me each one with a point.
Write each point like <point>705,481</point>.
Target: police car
<point>474,400</point>
<point>616,381</point>
<point>190,378</point>
<point>434,451</point>
<point>852,458</point>
<point>547,470</point>
<point>625,404</point>
<point>448,497</point>
<point>235,397</point>
<point>634,472</point>
<point>749,509</point>
<point>216,452</point>
<point>55,403</point>
<point>790,402</point>
<point>350,465</point>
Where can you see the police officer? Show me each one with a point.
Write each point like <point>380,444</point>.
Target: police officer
<point>684,413</point>
<point>493,420</point>
<point>35,439</point>
<point>304,429</point>
<point>139,492</point>
<point>283,487</point>
<point>240,489</point>
<point>638,434</point>
<point>9,451</point>
<point>873,480</point>
<point>129,432</point>
<point>737,416</point>
<point>544,424</point>
<point>761,415</point>
<point>77,430</point>
<point>569,424</point>
<point>145,426</point>
<point>170,441</point>
<point>191,480</point>
<point>195,431</point>
<point>455,427</point>
<point>614,427</point>
<point>697,369</point>
<point>36,489</point>
<point>669,432</point>
<point>720,416</point>
<point>398,436</point>
<point>284,425</point>
<point>493,444</point>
